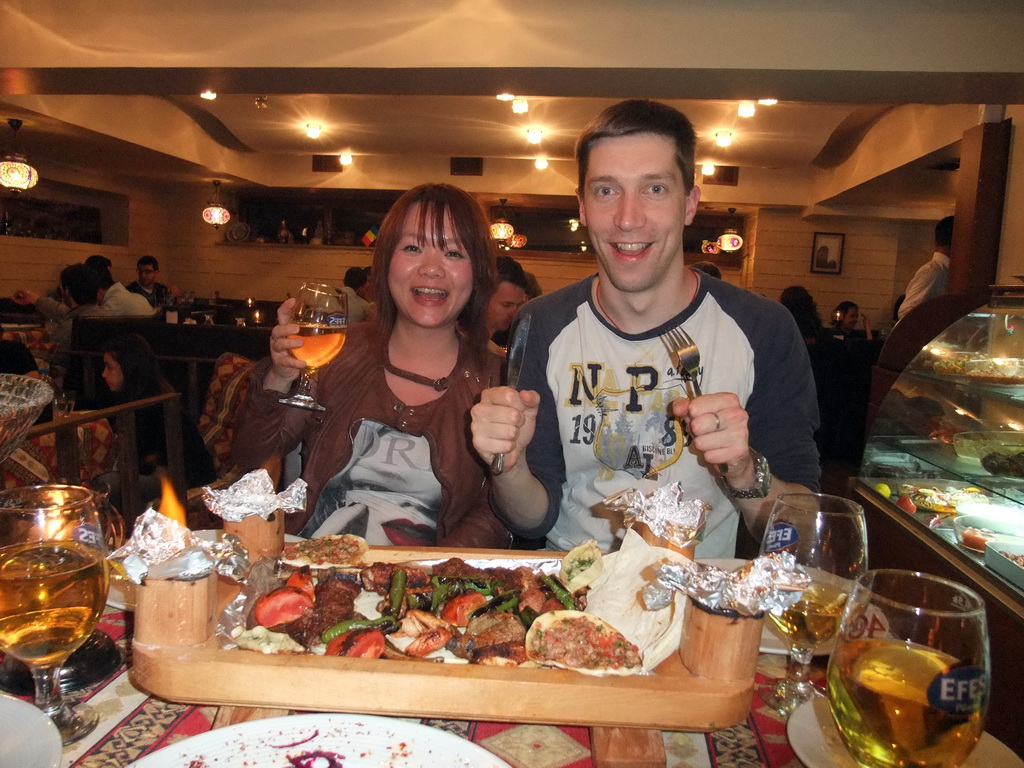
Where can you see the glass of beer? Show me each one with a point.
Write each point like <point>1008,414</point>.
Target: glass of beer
<point>827,536</point>
<point>908,679</point>
<point>53,586</point>
<point>321,312</point>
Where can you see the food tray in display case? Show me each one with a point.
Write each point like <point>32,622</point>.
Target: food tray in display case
<point>671,698</point>
<point>997,558</point>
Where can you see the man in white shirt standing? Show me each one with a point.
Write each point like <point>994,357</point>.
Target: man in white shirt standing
<point>930,280</point>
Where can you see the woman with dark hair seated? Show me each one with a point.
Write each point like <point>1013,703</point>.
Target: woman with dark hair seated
<point>845,317</point>
<point>802,306</point>
<point>391,458</point>
<point>132,372</point>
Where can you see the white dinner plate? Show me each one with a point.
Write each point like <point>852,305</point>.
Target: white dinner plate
<point>815,739</point>
<point>353,741</point>
<point>28,739</point>
<point>122,592</point>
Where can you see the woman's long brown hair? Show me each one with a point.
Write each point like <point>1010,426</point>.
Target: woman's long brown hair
<point>438,201</point>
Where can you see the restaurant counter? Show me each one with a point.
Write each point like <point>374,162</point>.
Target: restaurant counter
<point>133,724</point>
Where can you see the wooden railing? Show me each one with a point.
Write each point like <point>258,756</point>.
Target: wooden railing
<point>65,431</point>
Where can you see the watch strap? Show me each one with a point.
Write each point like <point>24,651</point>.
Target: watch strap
<point>762,480</point>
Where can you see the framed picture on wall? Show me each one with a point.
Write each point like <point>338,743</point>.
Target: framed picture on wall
<point>827,254</point>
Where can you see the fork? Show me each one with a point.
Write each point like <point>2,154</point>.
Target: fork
<point>685,356</point>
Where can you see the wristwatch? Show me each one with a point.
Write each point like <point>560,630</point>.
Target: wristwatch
<point>762,480</point>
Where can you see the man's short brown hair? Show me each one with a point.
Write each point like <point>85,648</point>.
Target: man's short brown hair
<point>639,116</point>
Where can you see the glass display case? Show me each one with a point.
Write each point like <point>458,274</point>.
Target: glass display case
<point>942,480</point>
<point>947,445</point>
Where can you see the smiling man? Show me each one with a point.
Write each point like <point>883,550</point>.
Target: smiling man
<point>602,408</point>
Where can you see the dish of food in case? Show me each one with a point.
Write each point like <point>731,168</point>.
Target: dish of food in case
<point>943,499</point>
<point>997,370</point>
<point>1007,560</point>
<point>449,610</point>
<point>977,445</point>
<point>975,531</point>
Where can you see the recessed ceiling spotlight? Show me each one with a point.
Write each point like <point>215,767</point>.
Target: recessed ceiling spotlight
<point>313,130</point>
<point>208,95</point>
<point>505,96</point>
<point>707,169</point>
<point>534,135</point>
<point>261,102</point>
<point>723,138</point>
<point>540,163</point>
<point>520,106</point>
<point>345,158</point>
<point>746,109</point>
<point>768,102</point>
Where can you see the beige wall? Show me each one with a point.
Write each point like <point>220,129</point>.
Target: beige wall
<point>871,252</point>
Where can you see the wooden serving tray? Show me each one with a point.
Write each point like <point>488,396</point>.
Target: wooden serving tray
<point>670,699</point>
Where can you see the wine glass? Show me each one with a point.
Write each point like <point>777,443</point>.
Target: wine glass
<point>53,586</point>
<point>908,679</point>
<point>826,535</point>
<point>321,312</point>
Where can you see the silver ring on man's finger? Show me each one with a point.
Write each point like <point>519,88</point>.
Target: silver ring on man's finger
<point>718,422</point>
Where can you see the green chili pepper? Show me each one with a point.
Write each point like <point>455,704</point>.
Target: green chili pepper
<point>486,589</point>
<point>385,623</point>
<point>441,591</point>
<point>560,592</point>
<point>397,591</point>
<point>505,601</point>
<point>527,615</point>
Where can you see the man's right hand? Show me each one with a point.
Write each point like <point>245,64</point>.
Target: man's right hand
<point>503,422</point>
<point>285,367</point>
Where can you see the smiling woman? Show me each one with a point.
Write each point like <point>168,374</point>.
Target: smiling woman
<point>390,459</point>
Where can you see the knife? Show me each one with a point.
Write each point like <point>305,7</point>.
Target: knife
<point>515,367</point>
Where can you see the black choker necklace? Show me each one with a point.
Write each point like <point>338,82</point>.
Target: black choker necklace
<point>439,385</point>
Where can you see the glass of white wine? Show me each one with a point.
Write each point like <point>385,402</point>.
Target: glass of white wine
<point>826,534</point>
<point>53,586</point>
<point>908,679</point>
<point>321,312</point>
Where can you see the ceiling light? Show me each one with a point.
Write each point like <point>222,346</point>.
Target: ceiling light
<point>709,247</point>
<point>208,95</point>
<point>768,102</point>
<point>501,229</point>
<point>534,135</point>
<point>730,241</point>
<point>707,169</point>
<point>520,106</point>
<point>746,109</point>
<point>505,97</point>
<point>574,224</point>
<point>345,158</point>
<point>313,130</point>
<point>261,102</point>
<point>541,163</point>
<point>517,241</point>
<point>723,138</point>
<point>215,213</point>
<point>15,172</point>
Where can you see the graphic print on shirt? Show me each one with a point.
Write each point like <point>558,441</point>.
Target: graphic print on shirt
<point>624,412</point>
<point>387,493</point>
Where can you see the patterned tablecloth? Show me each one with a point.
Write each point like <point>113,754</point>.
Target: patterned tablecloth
<point>133,725</point>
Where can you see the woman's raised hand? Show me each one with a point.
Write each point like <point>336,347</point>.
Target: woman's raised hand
<point>285,367</point>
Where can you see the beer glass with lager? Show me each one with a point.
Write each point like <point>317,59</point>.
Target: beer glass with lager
<point>908,679</point>
<point>53,586</point>
<point>826,535</point>
<point>321,312</point>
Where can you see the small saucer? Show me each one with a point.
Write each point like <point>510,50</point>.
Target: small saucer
<point>30,740</point>
<point>814,737</point>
